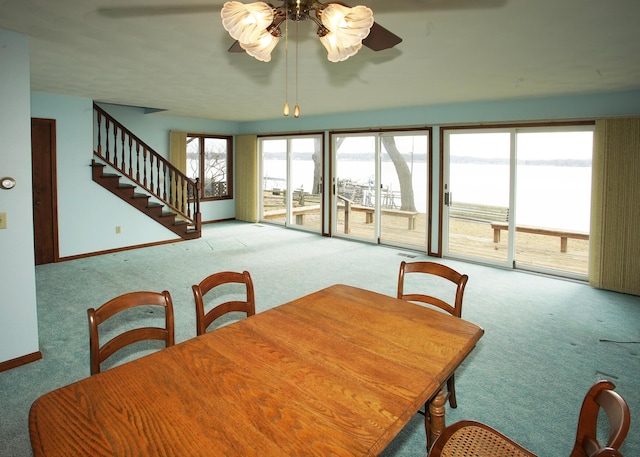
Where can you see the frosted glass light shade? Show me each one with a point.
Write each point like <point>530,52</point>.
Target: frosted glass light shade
<point>336,53</point>
<point>347,28</point>
<point>246,22</point>
<point>262,47</point>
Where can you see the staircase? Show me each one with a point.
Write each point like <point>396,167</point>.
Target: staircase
<point>131,170</point>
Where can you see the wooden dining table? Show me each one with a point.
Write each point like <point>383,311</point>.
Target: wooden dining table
<point>337,372</point>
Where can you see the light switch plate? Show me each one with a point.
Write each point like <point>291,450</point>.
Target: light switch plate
<point>3,220</point>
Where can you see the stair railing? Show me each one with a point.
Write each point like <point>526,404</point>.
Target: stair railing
<point>121,149</point>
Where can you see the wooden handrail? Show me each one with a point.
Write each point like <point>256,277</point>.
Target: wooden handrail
<point>119,148</point>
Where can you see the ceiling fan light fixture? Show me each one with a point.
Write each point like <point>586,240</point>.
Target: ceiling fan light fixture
<point>335,52</point>
<point>347,27</point>
<point>246,22</point>
<point>261,48</point>
<point>350,25</point>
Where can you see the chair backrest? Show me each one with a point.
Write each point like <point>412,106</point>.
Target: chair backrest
<point>601,395</point>
<point>433,268</point>
<point>607,452</point>
<point>100,352</point>
<point>248,306</point>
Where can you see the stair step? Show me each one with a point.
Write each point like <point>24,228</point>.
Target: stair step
<point>140,200</point>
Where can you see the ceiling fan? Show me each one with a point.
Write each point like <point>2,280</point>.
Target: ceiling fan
<point>378,38</point>
<point>343,30</point>
<point>335,22</point>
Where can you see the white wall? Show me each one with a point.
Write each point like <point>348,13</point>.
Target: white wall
<point>18,318</point>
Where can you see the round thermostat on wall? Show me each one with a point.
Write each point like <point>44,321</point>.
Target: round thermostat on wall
<point>7,183</point>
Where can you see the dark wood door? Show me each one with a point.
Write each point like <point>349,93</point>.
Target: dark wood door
<point>43,169</point>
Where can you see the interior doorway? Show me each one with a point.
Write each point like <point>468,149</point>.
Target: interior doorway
<point>43,171</point>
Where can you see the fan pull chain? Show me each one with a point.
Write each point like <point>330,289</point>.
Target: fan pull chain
<point>296,109</point>
<point>285,110</point>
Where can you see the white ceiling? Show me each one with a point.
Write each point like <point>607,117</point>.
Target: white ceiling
<point>452,51</point>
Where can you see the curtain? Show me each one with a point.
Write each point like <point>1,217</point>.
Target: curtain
<point>178,150</point>
<point>247,179</point>
<point>615,233</point>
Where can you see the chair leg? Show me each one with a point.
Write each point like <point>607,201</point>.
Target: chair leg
<point>451,391</point>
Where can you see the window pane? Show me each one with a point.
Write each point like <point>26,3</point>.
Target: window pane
<point>215,180</point>
<point>193,157</point>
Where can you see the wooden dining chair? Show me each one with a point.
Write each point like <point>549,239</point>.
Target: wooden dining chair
<point>453,307</point>
<point>475,439</point>
<point>601,396</point>
<point>217,306</point>
<point>100,352</point>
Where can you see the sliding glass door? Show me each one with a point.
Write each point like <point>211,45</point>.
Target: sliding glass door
<point>519,197</point>
<point>355,189</point>
<point>291,170</point>
<point>553,200</point>
<point>379,184</point>
<point>477,193</point>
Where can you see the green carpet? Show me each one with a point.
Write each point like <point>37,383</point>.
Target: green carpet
<point>546,340</point>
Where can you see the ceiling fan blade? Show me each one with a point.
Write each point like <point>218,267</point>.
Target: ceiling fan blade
<point>138,11</point>
<point>235,47</point>
<point>380,38</point>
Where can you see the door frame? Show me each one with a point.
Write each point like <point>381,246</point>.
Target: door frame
<point>289,191</point>
<point>50,192</point>
<point>445,180</point>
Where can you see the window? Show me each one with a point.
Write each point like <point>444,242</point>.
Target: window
<point>209,158</point>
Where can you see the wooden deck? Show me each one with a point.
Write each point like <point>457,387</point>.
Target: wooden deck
<point>472,238</point>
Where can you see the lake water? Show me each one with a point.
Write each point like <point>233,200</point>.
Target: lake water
<point>547,196</point>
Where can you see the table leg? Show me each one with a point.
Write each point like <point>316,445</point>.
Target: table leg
<point>435,420</point>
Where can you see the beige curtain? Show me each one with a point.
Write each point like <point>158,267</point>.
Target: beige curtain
<point>178,155</point>
<point>178,150</point>
<point>247,179</point>
<point>615,207</point>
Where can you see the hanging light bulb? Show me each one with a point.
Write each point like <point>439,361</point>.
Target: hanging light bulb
<point>296,111</point>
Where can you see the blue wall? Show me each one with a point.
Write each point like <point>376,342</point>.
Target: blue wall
<point>18,318</point>
<point>99,213</point>
<point>590,106</point>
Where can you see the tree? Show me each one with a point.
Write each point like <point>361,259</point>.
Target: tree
<point>403,172</point>
<point>407,199</point>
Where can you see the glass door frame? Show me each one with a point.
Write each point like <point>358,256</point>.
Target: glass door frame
<point>514,130</point>
<point>447,195</point>
<point>398,230</point>
<point>289,193</point>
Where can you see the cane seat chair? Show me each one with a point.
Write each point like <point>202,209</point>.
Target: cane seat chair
<point>98,352</point>
<point>475,439</point>
<point>453,307</point>
<point>200,293</point>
